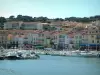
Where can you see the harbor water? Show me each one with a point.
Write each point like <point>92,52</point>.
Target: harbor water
<point>51,65</point>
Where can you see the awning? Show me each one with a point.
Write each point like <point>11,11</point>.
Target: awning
<point>89,44</point>
<point>40,47</point>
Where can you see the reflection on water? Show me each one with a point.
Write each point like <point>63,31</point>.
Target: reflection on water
<point>51,65</point>
<point>8,72</point>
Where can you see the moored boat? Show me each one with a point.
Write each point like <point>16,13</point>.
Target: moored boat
<point>1,58</point>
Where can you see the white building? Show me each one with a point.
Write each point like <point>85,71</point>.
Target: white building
<point>23,25</point>
<point>12,25</point>
<point>31,38</point>
<point>65,41</point>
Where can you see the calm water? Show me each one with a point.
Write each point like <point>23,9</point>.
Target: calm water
<point>51,65</point>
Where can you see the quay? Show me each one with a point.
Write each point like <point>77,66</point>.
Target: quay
<point>74,53</point>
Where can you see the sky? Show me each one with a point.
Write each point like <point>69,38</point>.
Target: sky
<point>50,8</point>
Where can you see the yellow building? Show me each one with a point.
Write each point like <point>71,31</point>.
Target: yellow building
<point>93,37</point>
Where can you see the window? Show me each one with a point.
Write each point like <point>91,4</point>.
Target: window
<point>92,41</point>
<point>92,36</point>
<point>97,41</point>
<point>96,31</point>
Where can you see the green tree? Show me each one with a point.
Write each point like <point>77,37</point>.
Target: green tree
<point>40,19</point>
<point>27,19</point>
<point>58,19</point>
<point>2,21</point>
<point>12,17</point>
<point>47,20</point>
<point>19,17</point>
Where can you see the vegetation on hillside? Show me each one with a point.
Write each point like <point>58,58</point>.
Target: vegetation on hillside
<point>45,19</point>
<point>2,21</point>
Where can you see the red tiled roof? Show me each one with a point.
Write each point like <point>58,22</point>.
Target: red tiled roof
<point>25,31</point>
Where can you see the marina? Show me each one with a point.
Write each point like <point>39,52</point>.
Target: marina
<point>49,37</point>
<point>17,54</point>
